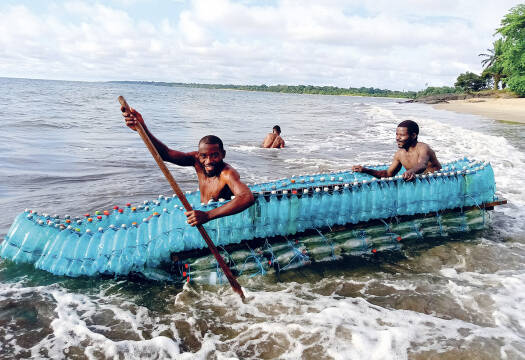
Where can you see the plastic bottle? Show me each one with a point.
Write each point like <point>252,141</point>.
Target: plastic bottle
<point>355,214</point>
<point>117,247</point>
<point>153,237</point>
<point>284,214</point>
<point>125,262</point>
<point>141,246</point>
<point>303,222</point>
<point>88,268</point>
<point>64,255</point>
<point>77,258</point>
<point>176,220</point>
<point>273,214</point>
<point>16,235</point>
<point>344,200</point>
<point>104,249</point>
<point>294,213</point>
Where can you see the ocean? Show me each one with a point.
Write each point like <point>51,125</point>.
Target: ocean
<point>65,149</point>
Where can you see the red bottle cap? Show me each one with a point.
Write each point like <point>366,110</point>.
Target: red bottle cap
<point>90,219</point>
<point>128,204</point>
<point>399,238</point>
<point>99,217</point>
<point>120,211</point>
<point>374,251</point>
<point>186,266</point>
<point>106,212</point>
<point>86,215</point>
<point>184,273</point>
<point>115,207</point>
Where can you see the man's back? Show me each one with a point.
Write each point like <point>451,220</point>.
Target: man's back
<point>269,140</point>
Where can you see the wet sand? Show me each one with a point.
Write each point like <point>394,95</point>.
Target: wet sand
<point>498,109</point>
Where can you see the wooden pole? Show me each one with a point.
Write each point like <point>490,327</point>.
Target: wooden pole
<point>234,284</point>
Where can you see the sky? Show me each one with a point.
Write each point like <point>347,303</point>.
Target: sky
<point>397,45</point>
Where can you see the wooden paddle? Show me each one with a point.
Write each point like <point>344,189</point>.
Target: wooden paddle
<point>234,284</point>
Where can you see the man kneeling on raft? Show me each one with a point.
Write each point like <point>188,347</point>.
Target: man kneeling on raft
<point>416,157</point>
<point>217,179</point>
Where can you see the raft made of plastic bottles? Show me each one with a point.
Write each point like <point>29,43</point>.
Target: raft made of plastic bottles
<point>132,238</point>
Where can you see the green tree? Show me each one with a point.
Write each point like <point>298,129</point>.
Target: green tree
<point>493,63</point>
<point>470,82</point>
<point>513,56</point>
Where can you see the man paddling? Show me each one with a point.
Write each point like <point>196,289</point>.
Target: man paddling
<point>217,179</point>
<point>274,139</point>
<point>416,157</point>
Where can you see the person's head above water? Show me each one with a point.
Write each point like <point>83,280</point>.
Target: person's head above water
<point>406,134</point>
<point>277,129</point>
<point>211,155</point>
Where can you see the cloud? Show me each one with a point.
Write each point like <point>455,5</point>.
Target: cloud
<point>397,45</point>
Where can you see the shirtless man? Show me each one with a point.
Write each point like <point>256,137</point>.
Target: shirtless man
<point>217,179</point>
<point>274,139</point>
<point>416,157</point>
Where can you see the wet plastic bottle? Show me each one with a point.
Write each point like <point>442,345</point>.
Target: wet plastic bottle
<point>104,249</point>
<point>88,268</point>
<point>77,258</point>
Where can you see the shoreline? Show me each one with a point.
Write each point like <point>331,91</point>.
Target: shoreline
<point>510,110</point>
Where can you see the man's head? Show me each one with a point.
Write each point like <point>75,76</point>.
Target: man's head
<point>211,155</point>
<point>406,134</point>
<point>276,130</point>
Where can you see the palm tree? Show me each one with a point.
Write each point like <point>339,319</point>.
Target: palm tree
<point>492,64</point>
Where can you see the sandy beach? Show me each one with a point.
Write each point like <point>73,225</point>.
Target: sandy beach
<point>494,108</point>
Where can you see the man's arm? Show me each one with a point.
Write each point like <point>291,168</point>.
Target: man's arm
<point>167,154</point>
<point>243,200</point>
<point>392,170</point>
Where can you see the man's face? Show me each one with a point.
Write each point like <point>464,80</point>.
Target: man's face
<point>210,157</point>
<point>403,138</point>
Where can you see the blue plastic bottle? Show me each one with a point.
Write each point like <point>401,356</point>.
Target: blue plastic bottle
<point>284,214</point>
<point>153,237</point>
<point>141,247</point>
<point>12,244</point>
<point>290,228</point>
<point>77,258</point>
<point>125,262</point>
<point>64,255</point>
<point>117,247</point>
<point>88,268</point>
<point>355,211</point>
<point>176,220</point>
<point>104,249</point>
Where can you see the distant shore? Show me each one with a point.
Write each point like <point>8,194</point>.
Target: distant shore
<point>494,108</point>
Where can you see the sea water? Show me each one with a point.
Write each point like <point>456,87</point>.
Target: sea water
<point>65,149</point>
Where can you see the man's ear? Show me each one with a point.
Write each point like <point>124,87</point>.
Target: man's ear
<point>223,153</point>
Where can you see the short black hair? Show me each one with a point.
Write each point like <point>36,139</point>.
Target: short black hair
<point>212,139</point>
<point>411,126</point>
<point>277,128</point>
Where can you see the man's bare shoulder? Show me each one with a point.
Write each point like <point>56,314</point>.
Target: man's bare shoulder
<point>420,146</point>
<point>228,172</point>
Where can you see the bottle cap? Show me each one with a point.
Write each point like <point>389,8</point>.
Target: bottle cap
<point>69,227</point>
<point>123,226</point>
<point>86,215</point>
<point>134,223</point>
<point>364,181</point>
<point>145,220</point>
<point>356,183</point>
<point>133,209</point>
<point>111,226</point>
<point>99,217</point>
<point>116,207</point>
<point>156,214</point>
<point>56,216</point>
<point>302,181</point>
<point>40,222</point>
<point>325,189</point>
<point>341,178</point>
<point>120,211</point>
<point>332,178</point>
<point>347,185</point>
<point>100,229</point>
<point>336,188</point>
<point>97,212</point>
<point>68,221</point>
<point>285,192</point>
<point>260,193</point>
<point>164,210</point>
<point>312,179</point>
<point>321,178</point>
<point>90,219</point>
<point>79,222</point>
<point>106,212</point>
<point>88,231</point>
<point>273,192</point>
<point>317,190</point>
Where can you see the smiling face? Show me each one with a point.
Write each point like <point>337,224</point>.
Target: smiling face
<point>210,158</point>
<point>404,139</point>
